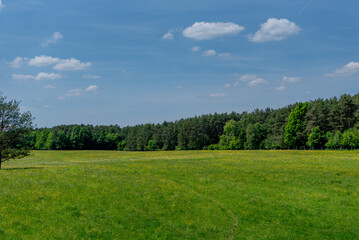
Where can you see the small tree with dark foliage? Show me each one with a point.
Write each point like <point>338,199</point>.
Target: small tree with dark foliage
<point>13,126</point>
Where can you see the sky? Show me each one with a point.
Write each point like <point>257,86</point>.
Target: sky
<point>131,62</point>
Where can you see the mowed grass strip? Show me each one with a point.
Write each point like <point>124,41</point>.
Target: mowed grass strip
<point>181,195</point>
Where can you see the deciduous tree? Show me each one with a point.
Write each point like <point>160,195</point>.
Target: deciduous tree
<point>13,126</point>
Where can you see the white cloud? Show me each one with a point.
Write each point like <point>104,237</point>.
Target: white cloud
<point>79,92</point>
<point>1,6</point>
<point>275,30</point>
<point>257,82</point>
<point>51,76</point>
<point>218,95</point>
<point>280,88</point>
<point>349,69</point>
<point>42,61</point>
<point>247,77</point>
<point>38,77</point>
<point>48,86</point>
<point>195,49</point>
<point>54,38</point>
<point>208,53</point>
<point>91,88</point>
<point>252,80</point>
<point>227,85</point>
<point>291,79</point>
<point>210,30</point>
<point>168,36</point>
<point>179,87</point>
<point>89,76</point>
<point>22,77</point>
<point>71,64</point>
<point>17,62</point>
<point>60,64</point>
<point>46,106</point>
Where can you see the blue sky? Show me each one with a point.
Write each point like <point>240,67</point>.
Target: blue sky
<point>140,61</point>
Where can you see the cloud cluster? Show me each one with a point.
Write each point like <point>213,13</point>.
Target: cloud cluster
<point>54,38</point>
<point>70,64</point>
<point>210,30</point>
<point>42,61</point>
<point>79,92</point>
<point>275,30</point>
<point>349,69</point>
<point>40,76</point>
<point>286,80</point>
<point>252,80</point>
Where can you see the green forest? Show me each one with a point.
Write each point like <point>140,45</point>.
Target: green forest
<point>319,124</point>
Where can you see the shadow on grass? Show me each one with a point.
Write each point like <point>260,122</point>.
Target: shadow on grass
<point>20,168</point>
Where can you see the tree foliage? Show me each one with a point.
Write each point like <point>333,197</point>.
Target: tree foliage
<point>330,123</point>
<point>13,126</point>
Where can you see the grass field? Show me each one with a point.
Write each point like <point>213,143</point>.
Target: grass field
<point>181,195</point>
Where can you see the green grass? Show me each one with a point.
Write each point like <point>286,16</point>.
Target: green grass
<point>181,195</point>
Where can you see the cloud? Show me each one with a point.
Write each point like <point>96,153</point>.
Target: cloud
<point>91,88</point>
<point>218,95</point>
<point>275,30</point>
<point>38,77</point>
<point>89,76</point>
<point>195,49</point>
<point>286,80</point>
<point>46,106</point>
<point>17,62</point>
<point>1,6</point>
<point>42,61</point>
<point>54,38</point>
<point>48,86</point>
<point>227,85</point>
<point>252,80</point>
<point>71,64</point>
<point>43,76</point>
<point>22,77</point>
<point>210,30</point>
<point>349,69</point>
<point>179,87</point>
<point>291,79</point>
<point>168,35</point>
<point>208,53</point>
<point>257,82</point>
<point>79,92</point>
<point>280,88</point>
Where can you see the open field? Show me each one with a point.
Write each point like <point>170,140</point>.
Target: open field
<point>181,195</point>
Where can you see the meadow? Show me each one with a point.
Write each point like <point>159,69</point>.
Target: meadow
<point>181,195</point>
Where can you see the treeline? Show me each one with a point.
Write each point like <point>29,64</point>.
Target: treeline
<point>323,123</point>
